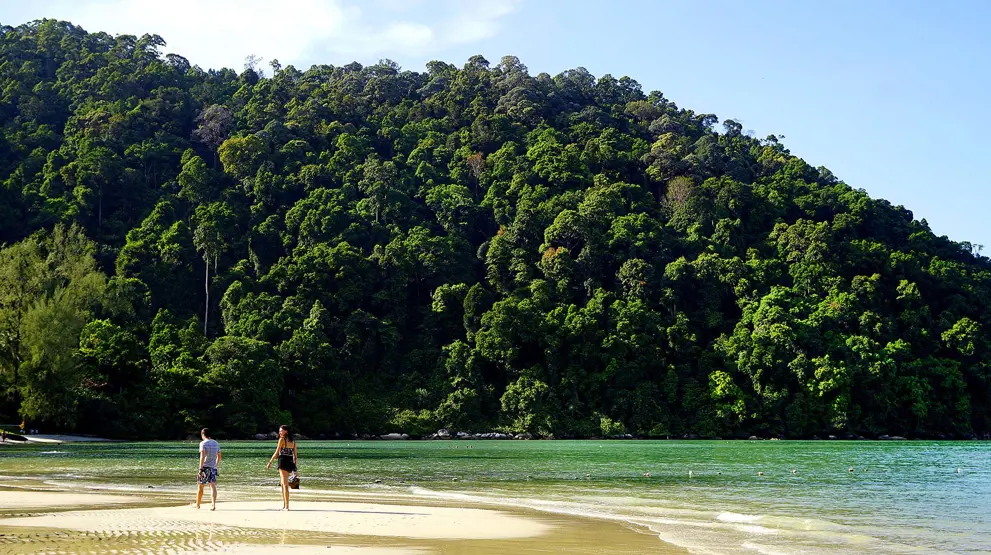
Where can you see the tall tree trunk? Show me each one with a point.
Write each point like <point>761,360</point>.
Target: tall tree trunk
<point>206,287</point>
<point>16,390</point>
<point>16,354</point>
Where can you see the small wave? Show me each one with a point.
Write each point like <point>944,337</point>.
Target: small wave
<point>756,530</point>
<point>736,517</point>
<point>453,496</point>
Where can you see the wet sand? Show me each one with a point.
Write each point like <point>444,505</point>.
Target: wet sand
<point>71,522</point>
<point>20,499</point>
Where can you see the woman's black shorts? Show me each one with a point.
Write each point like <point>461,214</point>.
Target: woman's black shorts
<point>286,463</point>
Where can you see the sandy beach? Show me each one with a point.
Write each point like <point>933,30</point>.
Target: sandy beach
<point>57,439</point>
<point>76,522</point>
<point>53,439</point>
<point>354,519</point>
<point>62,438</point>
<point>183,529</point>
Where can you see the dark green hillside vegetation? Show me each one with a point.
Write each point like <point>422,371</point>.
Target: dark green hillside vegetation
<point>367,249</point>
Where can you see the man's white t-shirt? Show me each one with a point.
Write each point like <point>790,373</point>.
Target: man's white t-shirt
<point>211,448</point>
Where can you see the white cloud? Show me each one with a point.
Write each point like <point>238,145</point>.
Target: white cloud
<point>479,21</point>
<point>221,33</point>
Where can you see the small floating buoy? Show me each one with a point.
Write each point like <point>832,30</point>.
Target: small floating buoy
<point>760,473</point>
<point>850,469</point>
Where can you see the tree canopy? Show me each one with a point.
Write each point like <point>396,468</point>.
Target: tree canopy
<point>368,249</point>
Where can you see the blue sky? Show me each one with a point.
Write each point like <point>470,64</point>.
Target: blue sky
<point>890,95</point>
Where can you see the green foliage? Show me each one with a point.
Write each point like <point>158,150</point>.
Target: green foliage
<point>51,288</point>
<point>364,249</point>
<point>243,382</point>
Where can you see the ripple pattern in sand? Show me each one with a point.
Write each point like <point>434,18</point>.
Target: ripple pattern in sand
<point>350,519</point>
<point>171,540</point>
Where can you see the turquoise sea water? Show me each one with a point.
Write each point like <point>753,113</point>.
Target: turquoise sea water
<point>708,496</point>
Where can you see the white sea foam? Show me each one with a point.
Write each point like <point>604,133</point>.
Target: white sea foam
<point>735,517</point>
<point>756,530</point>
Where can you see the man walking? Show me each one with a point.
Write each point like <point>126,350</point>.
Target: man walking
<point>209,463</point>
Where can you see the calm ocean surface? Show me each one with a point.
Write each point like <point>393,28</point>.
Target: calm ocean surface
<point>708,496</point>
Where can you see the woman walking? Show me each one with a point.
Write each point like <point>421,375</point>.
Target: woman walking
<point>286,452</point>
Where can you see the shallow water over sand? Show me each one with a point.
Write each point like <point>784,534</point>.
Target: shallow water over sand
<point>901,497</point>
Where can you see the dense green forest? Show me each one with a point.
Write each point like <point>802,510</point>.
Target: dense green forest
<point>368,249</point>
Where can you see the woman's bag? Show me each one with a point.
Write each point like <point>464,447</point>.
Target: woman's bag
<point>293,480</point>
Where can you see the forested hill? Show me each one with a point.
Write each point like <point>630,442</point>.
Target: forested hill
<point>369,249</point>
